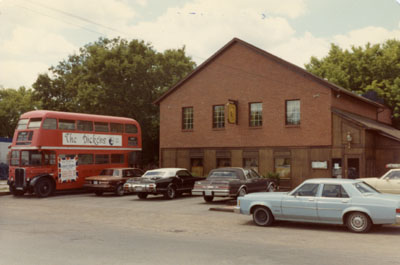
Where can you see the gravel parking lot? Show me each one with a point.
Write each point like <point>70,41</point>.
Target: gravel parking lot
<point>86,229</point>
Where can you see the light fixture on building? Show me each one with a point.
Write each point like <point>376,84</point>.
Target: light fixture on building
<point>349,139</point>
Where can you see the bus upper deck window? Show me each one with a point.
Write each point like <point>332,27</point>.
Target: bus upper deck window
<point>131,128</point>
<point>34,123</point>
<point>86,126</point>
<point>116,127</point>
<point>66,125</point>
<point>22,124</point>
<point>101,126</point>
<point>50,123</point>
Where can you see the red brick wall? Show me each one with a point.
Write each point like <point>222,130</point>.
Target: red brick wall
<point>244,75</point>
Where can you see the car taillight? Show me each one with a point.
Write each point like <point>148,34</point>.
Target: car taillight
<point>397,210</point>
<point>223,187</point>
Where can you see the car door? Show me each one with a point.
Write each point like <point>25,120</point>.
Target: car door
<point>254,182</point>
<point>301,204</point>
<point>389,183</point>
<point>187,180</point>
<point>333,201</point>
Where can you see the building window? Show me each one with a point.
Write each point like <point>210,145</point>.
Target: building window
<point>282,166</point>
<point>255,114</point>
<point>219,116</point>
<point>250,159</point>
<point>293,112</point>
<point>187,118</point>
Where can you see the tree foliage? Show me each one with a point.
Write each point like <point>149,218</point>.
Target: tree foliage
<point>115,77</point>
<point>12,104</point>
<point>374,67</point>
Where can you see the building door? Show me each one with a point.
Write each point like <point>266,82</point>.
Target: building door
<point>353,168</point>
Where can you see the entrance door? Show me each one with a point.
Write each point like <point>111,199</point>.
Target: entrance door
<point>353,168</point>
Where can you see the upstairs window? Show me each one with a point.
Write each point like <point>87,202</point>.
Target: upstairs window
<point>22,124</point>
<point>116,127</point>
<point>219,116</point>
<point>101,126</point>
<point>86,126</point>
<point>50,123</point>
<point>131,128</point>
<point>66,124</point>
<point>255,114</point>
<point>293,112</point>
<point>34,123</point>
<point>187,118</point>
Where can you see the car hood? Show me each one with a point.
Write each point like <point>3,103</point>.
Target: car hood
<point>104,178</point>
<point>264,195</point>
<point>140,180</point>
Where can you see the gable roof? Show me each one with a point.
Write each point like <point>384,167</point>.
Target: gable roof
<point>369,124</point>
<point>271,57</point>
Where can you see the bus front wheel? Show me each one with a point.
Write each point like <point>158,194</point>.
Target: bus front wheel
<point>44,188</point>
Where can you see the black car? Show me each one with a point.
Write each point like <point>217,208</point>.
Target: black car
<point>232,182</point>
<point>169,182</point>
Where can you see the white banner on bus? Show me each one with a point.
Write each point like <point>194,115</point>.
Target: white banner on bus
<point>91,139</point>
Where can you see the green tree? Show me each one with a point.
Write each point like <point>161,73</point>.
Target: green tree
<point>115,77</point>
<point>374,67</point>
<point>12,104</point>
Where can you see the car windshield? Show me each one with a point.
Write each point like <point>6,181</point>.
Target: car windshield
<point>155,174</point>
<point>365,188</point>
<point>224,174</point>
<point>109,172</point>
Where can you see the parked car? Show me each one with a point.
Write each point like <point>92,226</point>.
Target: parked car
<point>169,182</point>
<point>353,203</point>
<point>232,182</point>
<point>388,183</point>
<point>111,179</point>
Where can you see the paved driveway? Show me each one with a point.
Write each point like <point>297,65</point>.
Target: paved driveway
<point>86,229</point>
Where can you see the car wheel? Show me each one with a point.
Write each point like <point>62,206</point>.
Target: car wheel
<point>98,192</point>
<point>262,216</point>
<point>208,198</point>
<point>44,188</point>
<point>358,222</point>
<point>271,188</point>
<point>242,192</point>
<point>119,190</point>
<point>171,192</point>
<point>142,195</point>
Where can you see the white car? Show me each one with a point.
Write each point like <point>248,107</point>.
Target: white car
<point>388,183</point>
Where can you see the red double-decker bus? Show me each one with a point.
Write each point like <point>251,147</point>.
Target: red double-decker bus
<point>57,150</point>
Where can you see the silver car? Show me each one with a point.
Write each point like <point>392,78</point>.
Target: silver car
<point>353,203</point>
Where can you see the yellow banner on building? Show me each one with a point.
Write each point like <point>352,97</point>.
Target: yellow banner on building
<point>232,113</point>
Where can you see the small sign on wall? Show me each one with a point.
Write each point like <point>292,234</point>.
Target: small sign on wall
<point>319,164</point>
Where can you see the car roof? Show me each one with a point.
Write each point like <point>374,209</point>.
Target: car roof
<point>169,169</point>
<point>332,181</point>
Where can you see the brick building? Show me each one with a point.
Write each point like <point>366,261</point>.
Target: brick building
<point>246,107</point>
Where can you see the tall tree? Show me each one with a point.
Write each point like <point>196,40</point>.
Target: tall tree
<point>374,67</point>
<point>12,104</point>
<point>115,77</point>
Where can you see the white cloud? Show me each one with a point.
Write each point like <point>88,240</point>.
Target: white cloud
<point>299,50</point>
<point>14,74</point>
<point>34,41</point>
<point>205,26</point>
<point>362,36</point>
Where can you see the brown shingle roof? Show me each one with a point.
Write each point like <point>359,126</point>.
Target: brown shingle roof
<point>369,124</point>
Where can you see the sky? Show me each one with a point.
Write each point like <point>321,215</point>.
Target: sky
<point>38,34</point>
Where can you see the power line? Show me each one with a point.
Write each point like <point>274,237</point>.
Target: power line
<point>75,16</point>
<point>46,15</point>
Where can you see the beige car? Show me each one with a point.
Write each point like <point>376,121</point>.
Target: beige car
<point>111,180</point>
<point>388,183</point>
